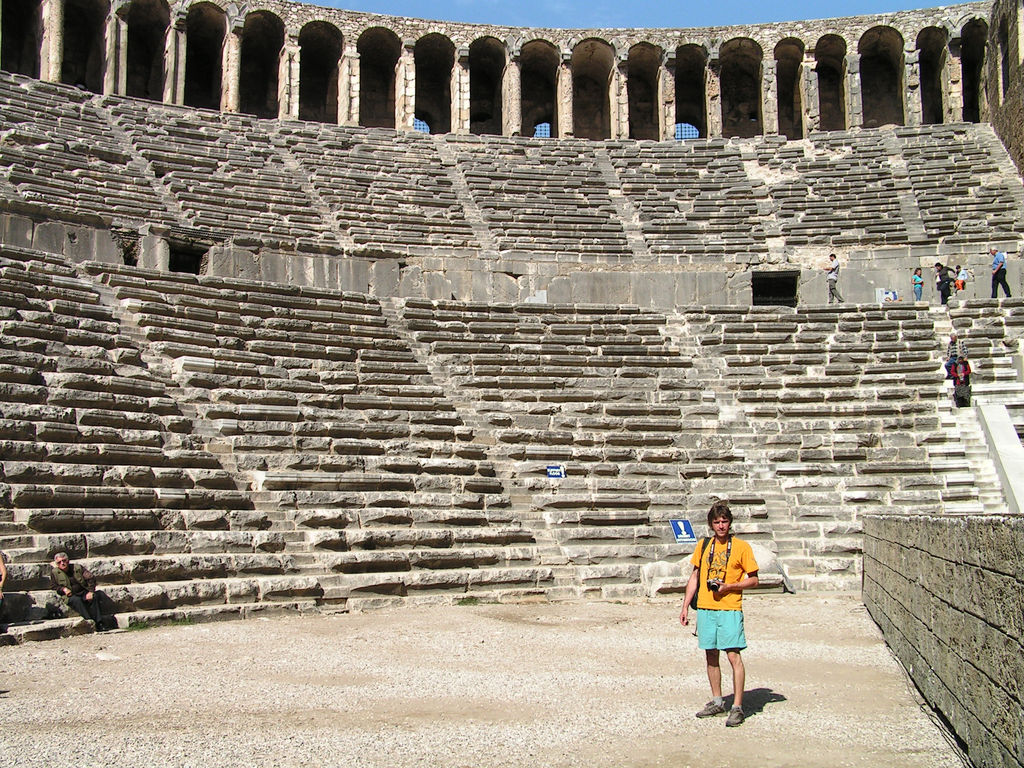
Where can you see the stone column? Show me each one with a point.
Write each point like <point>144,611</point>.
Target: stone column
<point>563,97</point>
<point>769,98</point>
<point>288,79</point>
<point>667,97</point>
<point>512,95</point>
<point>405,86</point>
<point>854,104</point>
<point>348,86</point>
<point>51,49</point>
<point>713,94</point>
<point>175,46</point>
<point>913,109</point>
<point>115,58</point>
<point>460,92</point>
<point>231,65</point>
<point>808,85</point>
<point>618,98</point>
<point>952,84</point>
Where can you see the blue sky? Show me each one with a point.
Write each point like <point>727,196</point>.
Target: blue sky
<point>625,13</point>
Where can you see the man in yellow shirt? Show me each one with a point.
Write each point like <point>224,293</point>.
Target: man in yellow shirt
<point>723,566</point>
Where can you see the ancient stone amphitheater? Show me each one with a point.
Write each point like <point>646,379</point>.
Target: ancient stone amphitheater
<point>300,308</point>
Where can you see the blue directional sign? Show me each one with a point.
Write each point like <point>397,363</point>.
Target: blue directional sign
<point>683,532</point>
<point>556,470</point>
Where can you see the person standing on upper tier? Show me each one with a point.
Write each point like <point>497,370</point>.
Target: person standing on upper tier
<point>999,271</point>
<point>833,278</point>
<point>943,282</point>
<point>917,280</point>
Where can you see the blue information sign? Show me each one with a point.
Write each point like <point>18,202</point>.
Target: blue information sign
<point>683,532</point>
<point>556,470</point>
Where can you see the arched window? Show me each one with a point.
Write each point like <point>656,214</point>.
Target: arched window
<point>435,57</point>
<point>741,88</point>
<point>486,69</point>
<point>642,90</point>
<point>205,27</point>
<point>686,131</point>
<point>788,56</point>
<point>881,77</point>
<point>147,22</point>
<point>931,46</point>
<point>830,58</point>
<point>973,39</point>
<point>319,54</point>
<point>20,36</point>
<point>691,109</point>
<point>539,76</point>
<point>591,73</point>
<point>379,50</point>
<point>84,43</point>
<point>262,41</point>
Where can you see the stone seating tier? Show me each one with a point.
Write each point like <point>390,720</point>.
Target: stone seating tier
<point>282,186</point>
<point>411,458</point>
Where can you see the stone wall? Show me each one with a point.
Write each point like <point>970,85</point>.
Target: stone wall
<point>948,593</point>
<point>1007,99</point>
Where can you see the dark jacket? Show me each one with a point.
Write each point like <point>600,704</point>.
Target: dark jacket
<point>76,578</point>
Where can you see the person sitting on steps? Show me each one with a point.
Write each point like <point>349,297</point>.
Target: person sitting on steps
<point>77,587</point>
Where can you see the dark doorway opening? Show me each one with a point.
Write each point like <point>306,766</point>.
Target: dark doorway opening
<point>186,258</point>
<point>774,289</point>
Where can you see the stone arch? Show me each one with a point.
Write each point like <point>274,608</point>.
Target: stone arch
<point>592,61</point>
<point>538,84</point>
<point>20,36</point>
<point>320,46</point>
<point>932,44</point>
<point>487,60</point>
<point>973,40</point>
<point>262,42</point>
<point>379,49</point>
<point>205,27</point>
<point>789,55</point>
<point>741,60</point>
<point>830,66</point>
<point>84,43</point>
<point>435,57</point>
<point>691,100</point>
<point>644,63</point>
<point>147,22</point>
<point>881,76</point>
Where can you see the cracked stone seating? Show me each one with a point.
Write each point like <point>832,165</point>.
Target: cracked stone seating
<point>66,161</point>
<point>372,445</point>
<point>241,184</point>
<point>345,168</point>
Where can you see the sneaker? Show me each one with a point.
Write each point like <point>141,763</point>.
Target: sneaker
<point>711,709</point>
<point>736,717</point>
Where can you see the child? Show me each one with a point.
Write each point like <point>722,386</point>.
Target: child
<point>917,280</point>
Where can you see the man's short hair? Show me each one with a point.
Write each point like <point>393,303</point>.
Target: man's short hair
<point>718,510</point>
<point>61,556</point>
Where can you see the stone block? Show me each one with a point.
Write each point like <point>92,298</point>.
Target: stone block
<point>49,237</point>
<point>16,230</point>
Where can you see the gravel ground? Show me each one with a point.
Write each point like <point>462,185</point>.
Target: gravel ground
<point>567,684</point>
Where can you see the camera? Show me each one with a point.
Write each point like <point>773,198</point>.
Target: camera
<point>714,584</point>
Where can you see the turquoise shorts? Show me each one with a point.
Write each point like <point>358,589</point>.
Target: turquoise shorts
<point>720,630</point>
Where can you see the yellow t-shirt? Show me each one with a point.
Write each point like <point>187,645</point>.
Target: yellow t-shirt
<point>741,563</point>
